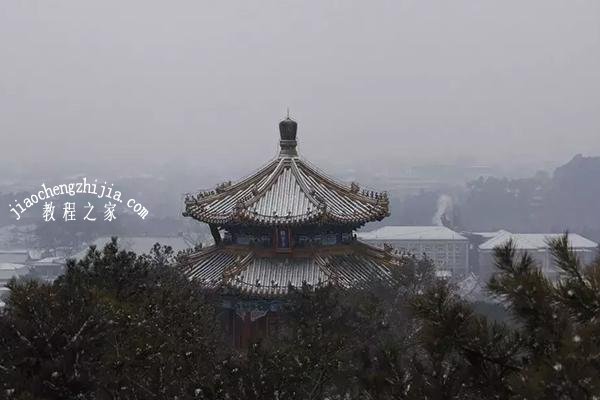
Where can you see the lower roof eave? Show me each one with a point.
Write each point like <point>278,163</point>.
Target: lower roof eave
<point>253,273</point>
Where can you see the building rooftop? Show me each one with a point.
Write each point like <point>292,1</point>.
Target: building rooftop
<point>535,241</point>
<point>489,235</point>
<point>245,271</point>
<point>411,233</point>
<point>49,261</point>
<point>287,191</point>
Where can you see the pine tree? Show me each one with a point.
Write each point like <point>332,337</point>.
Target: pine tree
<point>115,325</point>
<point>559,321</point>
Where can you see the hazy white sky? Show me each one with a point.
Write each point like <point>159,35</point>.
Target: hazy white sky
<point>424,81</point>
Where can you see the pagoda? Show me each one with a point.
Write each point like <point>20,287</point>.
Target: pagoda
<point>285,226</point>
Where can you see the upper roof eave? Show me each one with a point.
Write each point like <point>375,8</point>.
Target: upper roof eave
<point>327,199</point>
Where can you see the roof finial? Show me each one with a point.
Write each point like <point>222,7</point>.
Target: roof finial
<point>288,113</point>
<point>287,132</point>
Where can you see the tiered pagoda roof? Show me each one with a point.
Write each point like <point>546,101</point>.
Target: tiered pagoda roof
<point>259,273</point>
<point>287,191</point>
<point>288,224</point>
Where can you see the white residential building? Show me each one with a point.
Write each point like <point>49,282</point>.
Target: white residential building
<point>449,250</point>
<point>535,244</point>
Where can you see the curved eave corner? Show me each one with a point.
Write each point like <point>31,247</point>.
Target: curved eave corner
<point>233,270</point>
<point>268,197</point>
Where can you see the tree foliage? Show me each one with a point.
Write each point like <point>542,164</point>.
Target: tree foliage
<point>121,326</point>
<point>115,325</point>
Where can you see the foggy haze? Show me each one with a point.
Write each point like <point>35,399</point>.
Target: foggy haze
<point>204,84</point>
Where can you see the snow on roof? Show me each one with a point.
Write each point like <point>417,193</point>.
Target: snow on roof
<point>490,235</point>
<point>411,233</point>
<point>138,244</point>
<point>287,191</point>
<point>268,275</point>
<point>531,241</point>
<point>49,260</point>
<point>11,266</point>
